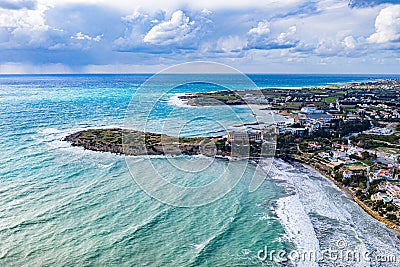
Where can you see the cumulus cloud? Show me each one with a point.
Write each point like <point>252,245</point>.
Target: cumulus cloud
<point>29,29</point>
<point>387,25</point>
<point>176,30</point>
<point>25,28</point>
<point>23,18</point>
<point>155,33</point>
<point>137,25</point>
<point>231,43</point>
<point>263,28</point>
<point>81,36</point>
<point>346,46</point>
<point>261,37</point>
<point>17,4</point>
<point>349,42</point>
<point>285,37</point>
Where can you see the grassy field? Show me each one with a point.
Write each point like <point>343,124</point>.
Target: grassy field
<point>330,99</point>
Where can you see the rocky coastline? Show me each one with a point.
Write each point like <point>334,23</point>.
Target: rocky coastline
<point>136,143</point>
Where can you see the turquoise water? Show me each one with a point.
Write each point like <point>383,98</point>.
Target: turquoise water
<point>64,206</point>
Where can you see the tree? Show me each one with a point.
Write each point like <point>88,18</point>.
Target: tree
<point>392,217</point>
<point>365,155</point>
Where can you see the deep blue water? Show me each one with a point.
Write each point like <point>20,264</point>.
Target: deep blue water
<point>64,206</point>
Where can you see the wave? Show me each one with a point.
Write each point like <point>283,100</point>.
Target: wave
<point>292,215</point>
<point>178,102</point>
<point>208,246</point>
<point>141,229</point>
<point>318,214</point>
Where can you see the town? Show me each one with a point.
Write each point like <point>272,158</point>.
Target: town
<point>350,133</point>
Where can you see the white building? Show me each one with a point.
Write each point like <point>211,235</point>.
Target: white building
<point>311,110</point>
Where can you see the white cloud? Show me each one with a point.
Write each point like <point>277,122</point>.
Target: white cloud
<point>263,28</point>
<point>231,43</point>
<point>24,18</point>
<point>349,42</point>
<point>267,37</point>
<point>154,33</point>
<point>286,37</point>
<point>387,25</point>
<point>175,30</point>
<point>81,36</point>
<point>26,28</point>
<point>137,26</point>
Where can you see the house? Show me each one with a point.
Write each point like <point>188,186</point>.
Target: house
<point>382,174</point>
<point>340,147</point>
<point>283,130</point>
<point>299,131</point>
<point>352,118</point>
<point>339,154</point>
<point>314,146</point>
<point>346,160</point>
<point>347,174</point>
<point>311,110</point>
<point>357,151</point>
<point>237,137</point>
<point>251,136</point>
<point>323,155</point>
<point>381,196</point>
<point>255,136</point>
<point>379,131</point>
<point>316,126</point>
<point>392,191</point>
<point>321,117</point>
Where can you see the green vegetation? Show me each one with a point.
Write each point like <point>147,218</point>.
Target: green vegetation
<point>369,141</point>
<point>331,99</point>
<point>342,128</point>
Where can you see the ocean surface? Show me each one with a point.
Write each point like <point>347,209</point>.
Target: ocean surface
<point>64,206</point>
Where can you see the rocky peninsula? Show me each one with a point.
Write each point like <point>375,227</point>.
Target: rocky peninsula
<point>131,142</point>
<point>136,143</point>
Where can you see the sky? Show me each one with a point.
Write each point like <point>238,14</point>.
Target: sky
<point>146,36</point>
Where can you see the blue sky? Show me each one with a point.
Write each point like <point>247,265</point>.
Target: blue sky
<point>255,36</point>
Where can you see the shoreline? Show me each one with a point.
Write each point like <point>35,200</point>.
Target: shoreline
<point>350,194</point>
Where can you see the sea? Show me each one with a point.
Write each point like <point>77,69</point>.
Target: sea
<point>66,206</point>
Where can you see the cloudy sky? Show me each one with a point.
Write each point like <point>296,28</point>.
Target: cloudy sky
<point>255,36</point>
